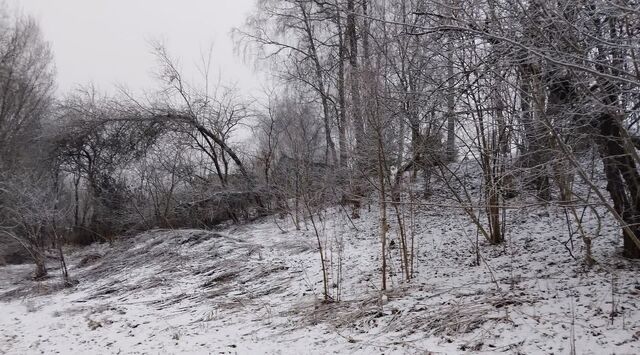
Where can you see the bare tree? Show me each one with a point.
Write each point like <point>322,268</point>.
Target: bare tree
<point>95,140</point>
<point>30,215</point>
<point>206,115</point>
<point>26,85</point>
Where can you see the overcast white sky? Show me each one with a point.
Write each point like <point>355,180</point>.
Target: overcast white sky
<point>107,41</point>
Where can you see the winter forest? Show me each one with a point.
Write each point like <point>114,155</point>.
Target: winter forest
<point>418,177</point>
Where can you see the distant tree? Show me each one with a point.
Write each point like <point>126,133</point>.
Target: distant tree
<point>95,139</point>
<point>26,87</point>
<point>31,216</point>
<point>27,191</point>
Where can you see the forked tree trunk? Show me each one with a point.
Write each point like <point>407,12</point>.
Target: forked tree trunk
<point>330,153</point>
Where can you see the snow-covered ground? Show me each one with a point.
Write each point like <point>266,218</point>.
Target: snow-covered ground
<point>257,288</point>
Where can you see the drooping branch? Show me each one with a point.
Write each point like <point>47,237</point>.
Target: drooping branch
<point>212,136</point>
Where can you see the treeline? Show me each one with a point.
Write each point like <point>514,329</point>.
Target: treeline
<point>541,96</point>
<point>365,93</point>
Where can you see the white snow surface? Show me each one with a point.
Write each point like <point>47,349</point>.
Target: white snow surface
<point>257,289</point>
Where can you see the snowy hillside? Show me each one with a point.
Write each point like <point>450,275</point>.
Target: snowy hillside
<point>257,288</point>
<point>395,177</point>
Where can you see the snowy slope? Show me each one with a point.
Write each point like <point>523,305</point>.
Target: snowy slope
<point>257,288</point>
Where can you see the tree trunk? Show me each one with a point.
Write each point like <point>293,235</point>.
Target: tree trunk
<point>623,181</point>
<point>41,266</point>
<point>355,81</point>
<point>533,102</point>
<point>383,210</point>
<point>330,154</point>
<point>451,118</point>
<point>342,126</point>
